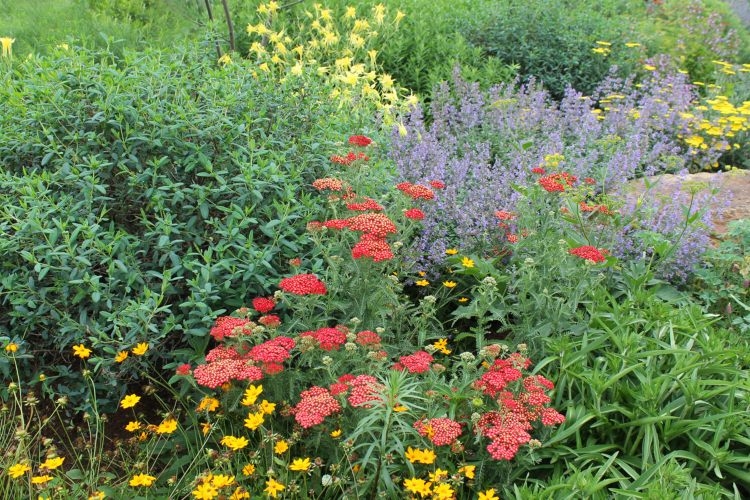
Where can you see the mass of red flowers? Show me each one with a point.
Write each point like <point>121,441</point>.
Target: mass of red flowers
<point>328,339</point>
<point>441,431</point>
<point>557,183</point>
<point>366,205</point>
<point>415,191</point>
<point>303,284</point>
<point>414,214</point>
<point>373,247</point>
<point>315,405</point>
<point>328,183</point>
<point>419,362</point>
<point>350,158</point>
<point>360,140</point>
<point>589,252</point>
<point>263,304</point>
<point>229,326</point>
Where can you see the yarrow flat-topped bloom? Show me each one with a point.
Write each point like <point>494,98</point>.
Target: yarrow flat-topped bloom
<point>360,140</point>
<point>303,284</point>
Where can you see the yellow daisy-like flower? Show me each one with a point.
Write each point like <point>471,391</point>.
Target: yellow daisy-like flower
<point>254,420</point>
<point>443,491</point>
<point>129,401</point>
<point>449,284</point>
<point>468,471</point>
<point>442,346</point>
<point>41,479</point>
<point>451,251</point>
<point>205,492</point>
<point>488,495</point>
<point>52,463</point>
<point>234,443</point>
<point>422,283</point>
<point>121,356</point>
<point>351,12</point>
<point>12,347</point>
<point>18,470</point>
<point>205,428</point>
<point>300,464</point>
<point>7,45</point>
<point>208,404</point>
<point>251,394</point>
<point>248,469</point>
<point>463,300</point>
<point>239,494</point>
<point>280,447</point>
<point>133,426</point>
<point>400,408</point>
<point>168,426</point>
<point>142,480</point>
<point>99,495</point>
<point>336,434</point>
<point>81,351</point>
<point>140,349</point>
<point>222,480</point>
<point>273,488</point>
<point>417,486</point>
<point>267,408</point>
<point>467,262</point>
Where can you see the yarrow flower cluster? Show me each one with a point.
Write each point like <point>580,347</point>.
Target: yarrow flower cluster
<point>419,362</point>
<point>328,339</point>
<point>314,406</point>
<point>441,431</point>
<point>559,182</point>
<point>590,253</point>
<point>229,326</point>
<point>416,191</point>
<point>303,284</point>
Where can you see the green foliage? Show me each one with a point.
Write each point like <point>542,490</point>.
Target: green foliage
<point>722,282</point>
<point>140,195</point>
<point>653,392</point>
<point>553,41</point>
<point>40,25</point>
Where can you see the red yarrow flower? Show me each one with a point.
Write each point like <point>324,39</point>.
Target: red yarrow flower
<point>415,191</point>
<point>303,284</point>
<point>328,184</point>
<point>329,339</point>
<point>270,321</point>
<point>557,183</point>
<point>373,247</point>
<point>589,252</point>
<point>360,140</point>
<point>316,403</point>
<point>367,205</point>
<point>217,373</point>
<point>414,214</point>
<point>229,326</point>
<point>441,431</point>
<point>419,362</point>
<point>375,224</point>
<point>263,304</point>
<point>183,369</point>
<point>437,184</point>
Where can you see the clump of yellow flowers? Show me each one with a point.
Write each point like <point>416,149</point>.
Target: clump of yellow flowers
<point>339,47</point>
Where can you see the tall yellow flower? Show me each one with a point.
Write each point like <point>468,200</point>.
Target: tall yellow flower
<point>129,401</point>
<point>300,464</point>
<point>121,356</point>
<point>81,351</point>
<point>280,447</point>
<point>273,488</point>
<point>142,480</point>
<point>18,470</point>
<point>7,44</point>
<point>140,349</point>
<point>205,492</point>
<point>52,463</point>
<point>168,426</point>
<point>251,394</point>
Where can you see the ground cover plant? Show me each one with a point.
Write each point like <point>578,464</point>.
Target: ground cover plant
<point>281,273</point>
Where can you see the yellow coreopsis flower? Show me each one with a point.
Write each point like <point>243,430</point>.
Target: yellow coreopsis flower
<point>142,480</point>
<point>234,443</point>
<point>239,494</point>
<point>18,470</point>
<point>468,471</point>
<point>248,469</point>
<point>12,347</point>
<point>121,356</point>
<point>417,486</point>
<point>7,45</point>
<point>129,401</point>
<point>280,447</point>
<point>222,480</point>
<point>41,479</point>
<point>422,282</point>
<point>168,426</point>
<point>449,284</point>
<point>205,491</point>
<point>273,488</point>
<point>251,394</point>
<point>133,426</point>
<point>267,408</point>
<point>81,351</point>
<point>443,491</point>
<point>254,420</point>
<point>336,434</point>
<point>300,465</point>
<point>467,262</point>
<point>140,349</point>
<point>99,495</point>
<point>488,495</point>
<point>52,463</point>
<point>208,404</point>
<point>451,251</point>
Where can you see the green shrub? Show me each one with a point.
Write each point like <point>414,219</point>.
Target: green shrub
<point>141,194</point>
<point>552,41</point>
